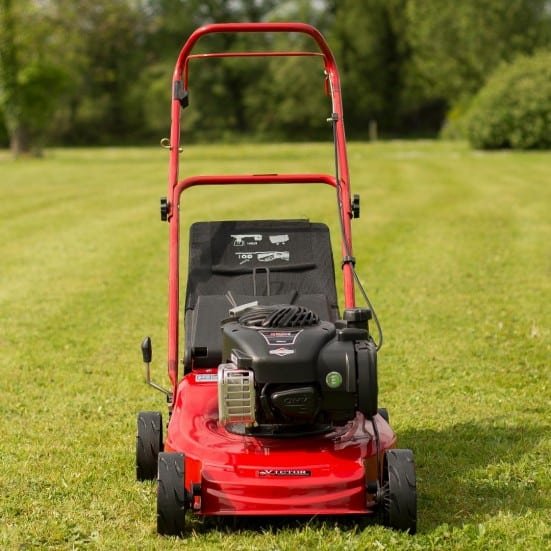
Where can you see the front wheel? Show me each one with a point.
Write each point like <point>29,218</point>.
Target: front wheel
<point>172,498</point>
<point>399,491</point>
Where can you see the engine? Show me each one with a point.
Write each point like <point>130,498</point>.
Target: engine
<point>286,369</point>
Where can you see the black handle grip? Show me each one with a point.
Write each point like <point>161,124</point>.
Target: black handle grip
<point>147,351</point>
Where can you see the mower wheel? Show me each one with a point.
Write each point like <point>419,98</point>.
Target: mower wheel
<point>149,442</point>
<point>383,412</point>
<point>399,490</point>
<point>172,498</point>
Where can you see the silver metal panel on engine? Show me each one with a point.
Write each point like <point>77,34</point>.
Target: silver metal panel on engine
<point>236,395</point>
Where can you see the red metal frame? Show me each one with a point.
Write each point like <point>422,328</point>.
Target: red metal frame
<point>243,474</point>
<point>175,187</point>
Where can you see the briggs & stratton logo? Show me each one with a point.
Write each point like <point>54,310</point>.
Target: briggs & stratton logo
<point>282,352</point>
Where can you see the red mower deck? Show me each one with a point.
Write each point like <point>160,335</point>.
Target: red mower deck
<point>318,475</point>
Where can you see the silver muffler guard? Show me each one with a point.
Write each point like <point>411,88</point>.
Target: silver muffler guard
<point>236,395</point>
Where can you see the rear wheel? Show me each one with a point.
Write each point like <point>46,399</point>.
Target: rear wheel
<point>149,442</point>
<point>399,490</point>
<point>172,498</point>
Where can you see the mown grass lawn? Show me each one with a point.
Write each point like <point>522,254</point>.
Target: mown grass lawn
<point>454,247</point>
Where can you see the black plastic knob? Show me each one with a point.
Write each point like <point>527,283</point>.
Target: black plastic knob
<point>356,206</point>
<point>357,314</point>
<point>357,317</point>
<point>164,209</point>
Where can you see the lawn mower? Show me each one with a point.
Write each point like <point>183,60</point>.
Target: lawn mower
<point>276,413</point>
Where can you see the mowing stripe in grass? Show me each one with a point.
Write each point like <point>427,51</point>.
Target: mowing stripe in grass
<point>453,246</point>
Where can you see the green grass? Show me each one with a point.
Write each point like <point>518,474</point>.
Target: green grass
<point>454,248</point>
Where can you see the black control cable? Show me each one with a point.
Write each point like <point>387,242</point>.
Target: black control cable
<point>348,257</point>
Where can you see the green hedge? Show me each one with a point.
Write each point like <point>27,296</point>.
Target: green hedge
<point>513,108</point>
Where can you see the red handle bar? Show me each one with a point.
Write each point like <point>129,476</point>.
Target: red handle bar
<point>216,28</point>
<point>253,28</point>
<point>175,188</point>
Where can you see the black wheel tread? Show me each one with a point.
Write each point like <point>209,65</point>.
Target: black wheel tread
<point>172,499</point>
<point>400,504</point>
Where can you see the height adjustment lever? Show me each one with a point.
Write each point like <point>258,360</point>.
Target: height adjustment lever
<point>147,354</point>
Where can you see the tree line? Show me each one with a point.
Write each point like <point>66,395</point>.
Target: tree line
<point>99,71</point>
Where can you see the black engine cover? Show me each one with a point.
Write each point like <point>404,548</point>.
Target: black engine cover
<point>315,373</point>
<point>278,355</point>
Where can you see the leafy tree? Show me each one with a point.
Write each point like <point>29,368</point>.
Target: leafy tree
<point>457,45</point>
<point>31,83</point>
<point>99,71</point>
<point>374,57</point>
<point>289,101</point>
<point>107,41</point>
<point>218,87</point>
<point>513,109</point>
